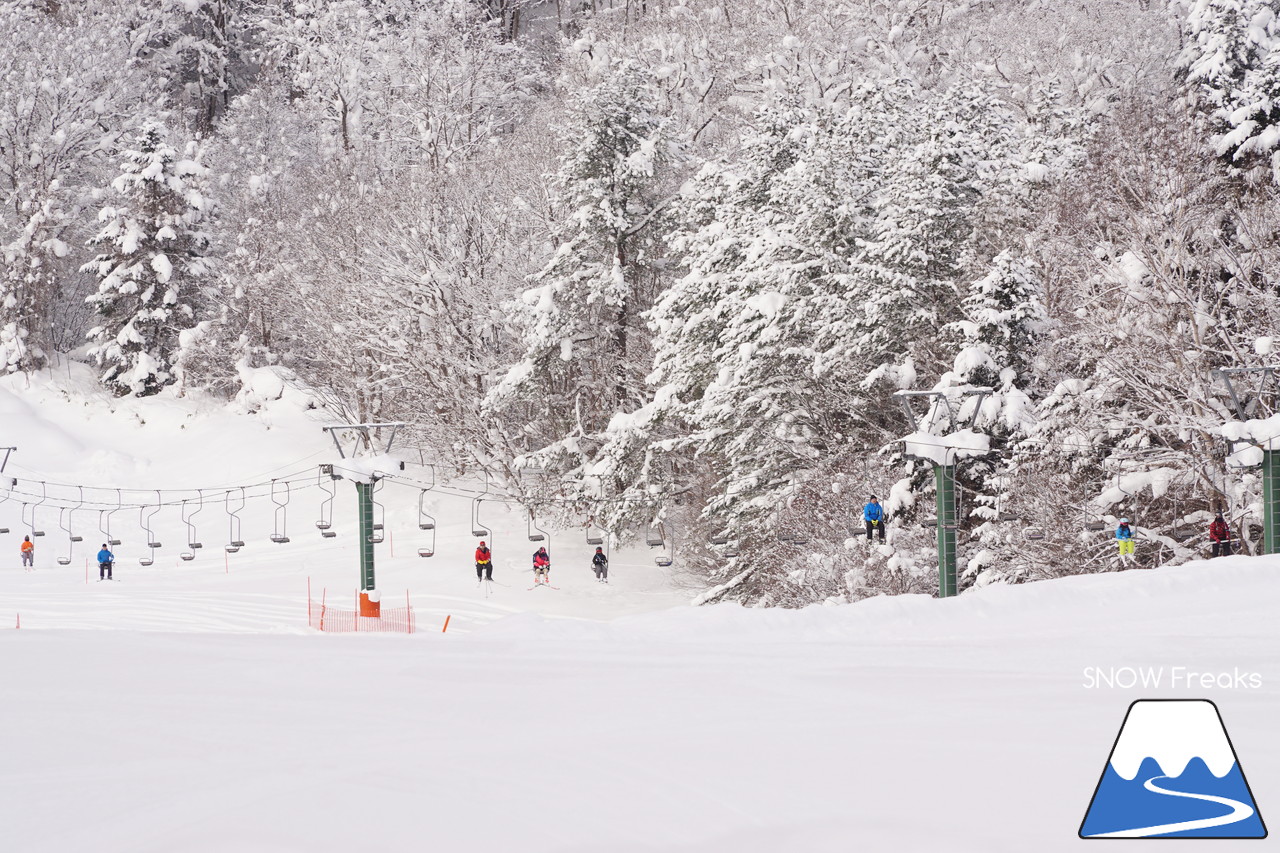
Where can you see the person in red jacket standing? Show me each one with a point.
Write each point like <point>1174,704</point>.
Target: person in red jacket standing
<point>1220,536</point>
<point>484,563</point>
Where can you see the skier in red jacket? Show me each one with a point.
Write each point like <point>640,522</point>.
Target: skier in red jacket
<point>484,563</point>
<point>1220,536</point>
<point>541,566</point>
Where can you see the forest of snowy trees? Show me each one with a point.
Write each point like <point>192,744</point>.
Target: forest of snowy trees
<point>663,263</point>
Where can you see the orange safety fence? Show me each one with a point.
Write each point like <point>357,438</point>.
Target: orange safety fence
<point>325,617</point>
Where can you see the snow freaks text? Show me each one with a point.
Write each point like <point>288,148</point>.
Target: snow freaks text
<point>1173,677</point>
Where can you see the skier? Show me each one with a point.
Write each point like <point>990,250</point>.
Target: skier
<point>28,552</point>
<point>484,563</point>
<point>601,565</point>
<point>105,559</point>
<point>1124,539</point>
<point>1220,536</point>
<point>873,515</point>
<point>541,566</point>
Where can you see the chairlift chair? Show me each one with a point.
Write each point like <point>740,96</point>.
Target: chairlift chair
<point>719,539</point>
<point>652,536</point>
<point>536,533</point>
<point>325,524</point>
<point>426,522</point>
<point>65,524</point>
<point>104,520</point>
<point>43,495</point>
<point>234,542</point>
<point>145,521</point>
<point>1096,526</point>
<point>193,541</point>
<point>663,560</point>
<point>731,552</point>
<point>279,533</point>
<point>380,513</point>
<point>929,522</point>
<point>1033,534</point>
<point>799,539</point>
<point>596,536</point>
<point>476,530</point>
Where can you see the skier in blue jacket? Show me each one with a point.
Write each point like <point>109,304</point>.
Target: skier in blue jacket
<point>873,515</point>
<point>105,559</point>
<point>1124,539</point>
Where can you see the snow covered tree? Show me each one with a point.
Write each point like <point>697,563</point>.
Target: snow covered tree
<point>153,267</point>
<point>1232,61</point>
<point>59,110</point>
<point>1005,318</point>
<point>584,344</point>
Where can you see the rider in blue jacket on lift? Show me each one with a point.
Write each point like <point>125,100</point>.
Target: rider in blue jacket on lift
<point>873,515</point>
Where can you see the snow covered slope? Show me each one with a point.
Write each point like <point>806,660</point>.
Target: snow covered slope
<point>586,719</point>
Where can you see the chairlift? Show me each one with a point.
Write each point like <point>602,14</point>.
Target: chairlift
<point>104,520</point>
<point>1007,516</point>
<point>188,518</point>
<point>595,537</point>
<point>536,533</point>
<point>719,539</point>
<point>65,523</point>
<point>653,535</point>
<point>4,499</point>
<point>43,496</point>
<point>663,559</point>
<point>426,522</point>
<point>234,542</point>
<point>1033,534</point>
<point>330,489</point>
<point>731,552</point>
<point>1096,526</point>
<point>476,529</point>
<point>144,521</point>
<point>281,501</point>
<point>380,513</point>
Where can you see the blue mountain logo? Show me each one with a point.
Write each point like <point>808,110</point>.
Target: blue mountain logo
<point>1173,773</point>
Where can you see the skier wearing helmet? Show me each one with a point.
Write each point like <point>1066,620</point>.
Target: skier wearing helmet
<point>600,563</point>
<point>1124,539</point>
<point>484,563</point>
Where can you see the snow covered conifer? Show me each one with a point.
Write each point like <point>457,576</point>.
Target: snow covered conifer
<point>1232,58</point>
<point>152,264</point>
<point>584,340</point>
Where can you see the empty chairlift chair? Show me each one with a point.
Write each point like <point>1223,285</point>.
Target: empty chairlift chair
<point>144,521</point>
<point>32,527</point>
<point>280,497</point>
<point>426,522</point>
<point>379,515</point>
<point>234,540</point>
<point>477,529</point>
<point>64,522</point>
<point>193,542</point>
<point>326,484</point>
<point>104,521</point>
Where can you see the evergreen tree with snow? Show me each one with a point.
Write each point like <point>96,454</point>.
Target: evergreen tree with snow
<point>152,267</point>
<point>1232,62</point>
<point>1004,320</point>
<point>584,342</point>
